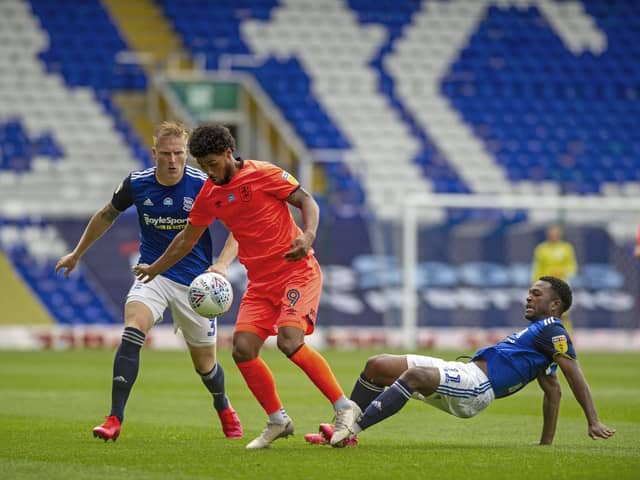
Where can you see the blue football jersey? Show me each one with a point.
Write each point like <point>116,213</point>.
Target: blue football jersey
<point>522,356</point>
<point>163,211</point>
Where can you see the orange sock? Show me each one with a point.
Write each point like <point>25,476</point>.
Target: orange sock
<point>319,371</point>
<point>260,381</point>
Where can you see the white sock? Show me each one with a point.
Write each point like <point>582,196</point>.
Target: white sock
<point>279,416</point>
<point>341,404</point>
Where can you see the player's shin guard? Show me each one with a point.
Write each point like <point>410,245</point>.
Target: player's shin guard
<point>318,371</point>
<point>125,369</point>
<point>214,381</point>
<point>365,391</point>
<point>386,404</point>
<point>259,379</point>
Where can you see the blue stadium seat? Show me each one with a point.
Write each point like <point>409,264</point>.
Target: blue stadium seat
<point>527,98</point>
<point>83,48</point>
<point>17,150</point>
<point>72,301</point>
<point>84,44</point>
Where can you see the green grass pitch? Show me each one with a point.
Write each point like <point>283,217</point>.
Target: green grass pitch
<point>49,401</point>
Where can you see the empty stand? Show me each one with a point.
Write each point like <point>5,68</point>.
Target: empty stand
<point>63,147</point>
<point>460,96</point>
<point>34,247</point>
<point>549,90</point>
<point>62,151</point>
<point>529,96</point>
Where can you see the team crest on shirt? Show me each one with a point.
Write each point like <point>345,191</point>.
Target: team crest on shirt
<point>245,193</point>
<point>187,204</point>
<point>560,343</point>
<point>289,178</point>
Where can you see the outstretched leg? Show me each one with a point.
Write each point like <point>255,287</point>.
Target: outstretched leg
<point>422,379</point>
<point>379,372</point>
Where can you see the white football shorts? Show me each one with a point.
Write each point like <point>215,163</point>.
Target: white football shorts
<point>464,389</point>
<point>161,293</point>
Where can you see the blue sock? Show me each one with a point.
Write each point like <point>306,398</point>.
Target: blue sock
<point>214,381</point>
<point>125,369</point>
<point>364,392</point>
<point>386,404</point>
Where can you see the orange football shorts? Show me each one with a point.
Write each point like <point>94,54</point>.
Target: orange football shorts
<point>289,299</point>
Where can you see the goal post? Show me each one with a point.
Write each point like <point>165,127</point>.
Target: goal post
<point>617,214</point>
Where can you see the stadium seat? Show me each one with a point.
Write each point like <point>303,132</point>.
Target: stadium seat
<point>33,247</point>
<point>508,96</point>
<point>518,104</point>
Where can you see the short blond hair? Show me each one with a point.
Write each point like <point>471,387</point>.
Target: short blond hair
<point>170,129</point>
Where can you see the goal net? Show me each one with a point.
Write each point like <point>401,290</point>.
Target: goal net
<point>466,262</point>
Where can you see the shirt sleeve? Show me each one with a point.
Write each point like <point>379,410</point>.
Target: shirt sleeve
<point>279,182</point>
<point>554,340</point>
<point>122,197</point>
<point>200,215</point>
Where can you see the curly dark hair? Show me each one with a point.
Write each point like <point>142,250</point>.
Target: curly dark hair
<point>562,289</point>
<point>210,138</point>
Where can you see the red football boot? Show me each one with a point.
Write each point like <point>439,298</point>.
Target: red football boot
<point>326,432</point>
<point>231,425</point>
<point>316,438</point>
<point>109,430</point>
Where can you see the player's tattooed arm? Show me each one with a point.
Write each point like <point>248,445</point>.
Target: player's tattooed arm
<point>99,223</point>
<point>109,213</point>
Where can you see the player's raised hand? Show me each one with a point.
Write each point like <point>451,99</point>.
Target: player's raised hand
<point>67,263</point>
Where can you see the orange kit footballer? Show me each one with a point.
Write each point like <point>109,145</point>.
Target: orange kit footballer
<point>251,198</point>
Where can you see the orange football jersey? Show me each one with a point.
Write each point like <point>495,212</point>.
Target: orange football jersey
<point>253,207</point>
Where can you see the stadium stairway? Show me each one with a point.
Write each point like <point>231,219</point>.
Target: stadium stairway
<point>154,44</point>
<point>33,248</point>
<point>146,31</point>
<point>17,303</point>
<point>214,34</point>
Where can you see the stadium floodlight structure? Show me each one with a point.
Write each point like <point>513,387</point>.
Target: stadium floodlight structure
<point>420,208</point>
